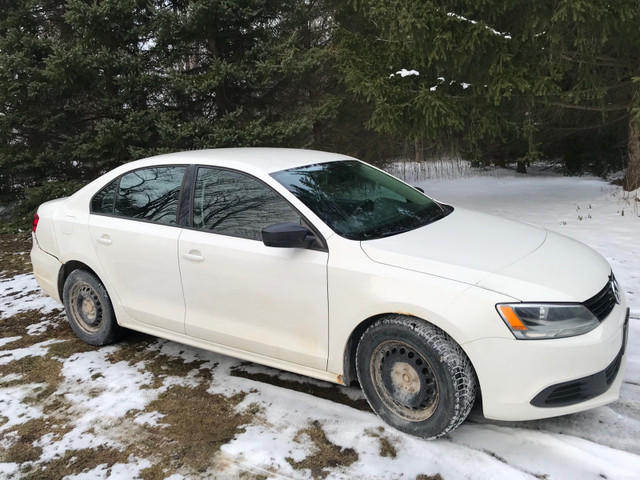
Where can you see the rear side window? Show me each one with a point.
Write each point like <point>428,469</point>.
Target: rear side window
<point>150,194</point>
<point>103,201</point>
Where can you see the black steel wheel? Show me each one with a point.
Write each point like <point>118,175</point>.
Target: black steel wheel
<point>89,308</point>
<point>414,376</point>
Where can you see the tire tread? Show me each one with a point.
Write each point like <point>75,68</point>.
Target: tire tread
<point>451,354</point>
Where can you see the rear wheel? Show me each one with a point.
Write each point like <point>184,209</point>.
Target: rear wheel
<point>89,309</point>
<point>415,377</point>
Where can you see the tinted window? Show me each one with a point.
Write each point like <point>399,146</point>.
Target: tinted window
<point>102,202</point>
<point>150,194</point>
<point>358,201</point>
<point>236,204</point>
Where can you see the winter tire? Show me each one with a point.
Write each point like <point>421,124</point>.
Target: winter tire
<point>415,377</point>
<point>89,309</point>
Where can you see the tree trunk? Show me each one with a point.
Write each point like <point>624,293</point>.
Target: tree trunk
<point>632,178</point>
<point>522,166</point>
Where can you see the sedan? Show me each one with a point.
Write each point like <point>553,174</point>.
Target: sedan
<point>322,265</point>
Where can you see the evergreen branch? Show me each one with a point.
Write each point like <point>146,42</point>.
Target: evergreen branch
<point>595,126</point>
<point>591,108</point>
<point>600,60</point>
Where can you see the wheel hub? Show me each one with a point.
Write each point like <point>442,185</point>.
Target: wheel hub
<point>89,309</point>
<point>86,307</point>
<point>406,380</point>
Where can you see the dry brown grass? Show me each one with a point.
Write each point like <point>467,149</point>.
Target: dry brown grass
<point>325,456</point>
<point>58,329</point>
<point>23,450</point>
<point>198,424</point>
<point>75,462</point>
<point>14,254</point>
<point>386,447</point>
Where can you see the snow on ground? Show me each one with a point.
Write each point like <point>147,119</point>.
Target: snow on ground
<point>600,443</point>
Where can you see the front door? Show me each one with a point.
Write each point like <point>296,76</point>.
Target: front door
<point>242,294</point>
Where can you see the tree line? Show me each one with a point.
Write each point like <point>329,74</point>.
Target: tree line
<point>88,85</point>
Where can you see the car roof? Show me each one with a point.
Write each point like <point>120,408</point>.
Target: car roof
<point>267,159</point>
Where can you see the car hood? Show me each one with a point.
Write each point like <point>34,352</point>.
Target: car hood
<point>522,261</point>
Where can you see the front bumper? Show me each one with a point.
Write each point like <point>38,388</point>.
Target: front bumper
<point>586,388</point>
<point>517,376</point>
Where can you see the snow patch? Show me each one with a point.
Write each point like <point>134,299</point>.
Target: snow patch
<point>22,293</point>
<point>37,350</point>
<point>405,73</point>
<point>473,22</point>
<point>13,407</point>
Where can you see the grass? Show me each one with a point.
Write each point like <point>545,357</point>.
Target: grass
<point>76,461</point>
<point>386,447</point>
<point>23,450</point>
<point>14,254</point>
<point>325,455</point>
<point>197,425</point>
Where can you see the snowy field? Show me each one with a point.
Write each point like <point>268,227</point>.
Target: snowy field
<point>108,400</point>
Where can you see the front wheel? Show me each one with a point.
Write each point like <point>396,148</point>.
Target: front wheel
<point>415,377</point>
<point>89,309</point>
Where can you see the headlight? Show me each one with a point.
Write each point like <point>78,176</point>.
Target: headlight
<point>532,321</point>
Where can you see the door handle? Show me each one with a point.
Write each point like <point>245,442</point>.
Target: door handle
<point>105,240</point>
<point>194,256</point>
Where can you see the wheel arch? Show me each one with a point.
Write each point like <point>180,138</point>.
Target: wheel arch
<point>350,375</point>
<point>69,267</point>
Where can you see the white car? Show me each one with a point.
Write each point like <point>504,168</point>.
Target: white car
<point>322,265</point>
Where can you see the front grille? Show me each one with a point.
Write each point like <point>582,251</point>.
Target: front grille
<point>603,302</point>
<point>586,388</point>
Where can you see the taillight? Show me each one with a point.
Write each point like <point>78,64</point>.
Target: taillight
<point>36,218</point>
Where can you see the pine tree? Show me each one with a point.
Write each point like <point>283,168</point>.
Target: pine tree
<point>439,73</point>
<point>496,71</point>
<point>593,59</point>
<point>86,86</point>
<point>72,89</point>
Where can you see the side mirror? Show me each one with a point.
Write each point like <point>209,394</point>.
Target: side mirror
<point>287,235</point>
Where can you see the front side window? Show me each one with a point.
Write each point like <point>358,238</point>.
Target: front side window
<point>150,194</point>
<point>236,204</point>
<point>360,202</point>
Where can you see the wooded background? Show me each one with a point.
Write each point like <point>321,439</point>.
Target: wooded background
<point>88,85</point>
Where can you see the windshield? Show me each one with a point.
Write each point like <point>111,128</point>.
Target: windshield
<point>358,201</point>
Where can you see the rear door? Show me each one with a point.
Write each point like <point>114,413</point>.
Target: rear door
<point>240,293</point>
<point>134,230</point>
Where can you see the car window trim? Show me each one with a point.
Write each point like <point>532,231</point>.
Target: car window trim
<point>185,203</point>
<point>192,185</point>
